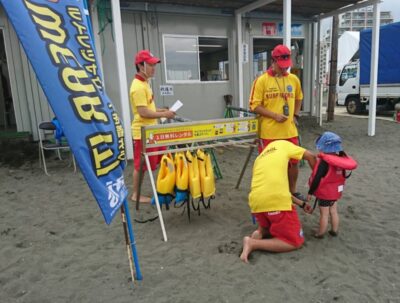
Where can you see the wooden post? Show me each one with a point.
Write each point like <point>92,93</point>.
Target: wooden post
<point>333,70</point>
<point>127,242</point>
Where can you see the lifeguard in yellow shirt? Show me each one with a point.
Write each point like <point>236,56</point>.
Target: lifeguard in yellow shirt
<point>144,113</point>
<point>276,96</point>
<point>272,204</point>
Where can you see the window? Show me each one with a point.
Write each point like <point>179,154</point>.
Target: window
<point>347,73</point>
<point>193,59</point>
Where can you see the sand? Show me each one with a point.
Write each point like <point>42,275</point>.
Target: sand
<point>55,246</point>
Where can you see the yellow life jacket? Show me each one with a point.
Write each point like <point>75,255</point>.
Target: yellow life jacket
<point>166,176</point>
<point>207,179</point>
<point>194,177</point>
<point>182,171</point>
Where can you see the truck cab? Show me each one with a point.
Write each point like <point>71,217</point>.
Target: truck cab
<point>348,88</point>
<point>356,97</point>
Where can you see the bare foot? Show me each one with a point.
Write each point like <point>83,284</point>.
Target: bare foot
<point>142,199</point>
<point>246,249</point>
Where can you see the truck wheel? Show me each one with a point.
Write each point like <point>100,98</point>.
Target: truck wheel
<point>353,106</point>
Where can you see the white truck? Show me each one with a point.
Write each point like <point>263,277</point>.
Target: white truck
<point>353,85</point>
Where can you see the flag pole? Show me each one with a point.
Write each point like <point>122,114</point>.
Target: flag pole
<point>130,242</point>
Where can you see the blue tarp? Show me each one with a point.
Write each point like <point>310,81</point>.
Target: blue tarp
<point>57,41</point>
<point>389,54</point>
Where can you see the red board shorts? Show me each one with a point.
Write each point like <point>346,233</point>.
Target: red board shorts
<point>264,143</point>
<point>137,151</point>
<point>283,225</point>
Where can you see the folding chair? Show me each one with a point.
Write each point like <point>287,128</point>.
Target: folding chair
<point>58,145</point>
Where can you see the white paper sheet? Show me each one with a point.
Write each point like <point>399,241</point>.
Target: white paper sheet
<point>176,106</point>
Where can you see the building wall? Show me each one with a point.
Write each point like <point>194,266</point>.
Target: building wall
<point>204,100</point>
<point>145,30</point>
<point>29,101</point>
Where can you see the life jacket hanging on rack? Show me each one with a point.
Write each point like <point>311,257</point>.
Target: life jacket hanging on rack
<point>182,178</point>
<point>207,179</point>
<point>165,181</point>
<point>194,177</point>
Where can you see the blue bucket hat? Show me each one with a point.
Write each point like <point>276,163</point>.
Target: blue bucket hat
<point>329,142</point>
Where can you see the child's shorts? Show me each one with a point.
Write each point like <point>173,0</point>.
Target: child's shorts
<point>326,203</point>
<point>283,225</point>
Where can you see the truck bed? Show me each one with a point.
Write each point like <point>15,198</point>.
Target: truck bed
<point>383,90</point>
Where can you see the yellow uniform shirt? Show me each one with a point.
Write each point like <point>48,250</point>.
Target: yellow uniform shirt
<point>270,184</point>
<point>269,91</point>
<point>140,94</point>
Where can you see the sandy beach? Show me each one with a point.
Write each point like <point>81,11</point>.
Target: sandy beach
<point>55,246</point>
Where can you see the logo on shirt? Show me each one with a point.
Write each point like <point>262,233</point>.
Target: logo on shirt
<point>276,95</point>
<point>289,88</point>
<point>267,151</point>
<point>270,150</point>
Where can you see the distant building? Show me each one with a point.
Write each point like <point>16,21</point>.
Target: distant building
<point>360,19</point>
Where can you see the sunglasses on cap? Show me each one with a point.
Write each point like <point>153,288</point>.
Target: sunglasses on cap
<point>282,57</point>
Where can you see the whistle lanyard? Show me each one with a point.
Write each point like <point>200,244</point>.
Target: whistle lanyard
<point>282,92</point>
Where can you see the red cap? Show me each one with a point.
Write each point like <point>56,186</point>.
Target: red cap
<point>281,54</point>
<point>146,56</point>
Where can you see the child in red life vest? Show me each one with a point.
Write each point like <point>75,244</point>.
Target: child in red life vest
<point>327,180</point>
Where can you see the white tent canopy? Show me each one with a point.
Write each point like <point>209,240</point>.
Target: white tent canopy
<point>348,46</point>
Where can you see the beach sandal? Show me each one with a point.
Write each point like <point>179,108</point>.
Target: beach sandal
<point>333,233</point>
<point>317,236</point>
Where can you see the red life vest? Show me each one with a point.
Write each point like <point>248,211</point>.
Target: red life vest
<point>332,184</point>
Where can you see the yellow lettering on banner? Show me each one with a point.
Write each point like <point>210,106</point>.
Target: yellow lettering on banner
<point>79,27</point>
<point>98,83</point>
<point>91,68</point>
<point>87,108</point>
<point>102,156</point>
<point>74,78</point>
<point>82,40</point>
<point>88,55</point>
<point>49,29</point>
<point>74,13</point>
<point>121,156</point>
<point>63,54</point>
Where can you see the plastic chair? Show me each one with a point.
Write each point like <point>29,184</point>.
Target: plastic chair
<point>57,145</point>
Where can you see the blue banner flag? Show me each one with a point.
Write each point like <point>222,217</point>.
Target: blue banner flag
<point>56,38</point>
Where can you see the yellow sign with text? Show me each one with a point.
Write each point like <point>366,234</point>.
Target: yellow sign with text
<point>201,131</point>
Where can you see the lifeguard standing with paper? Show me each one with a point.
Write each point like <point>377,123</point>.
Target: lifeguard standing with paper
<point>145,112</point>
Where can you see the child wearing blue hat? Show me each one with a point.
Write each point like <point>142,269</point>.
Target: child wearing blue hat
<point>327,180</point>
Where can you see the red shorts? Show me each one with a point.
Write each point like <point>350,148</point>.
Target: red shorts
<point>283,225</point>
<point>264,143</point>
<point>137,151</point>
